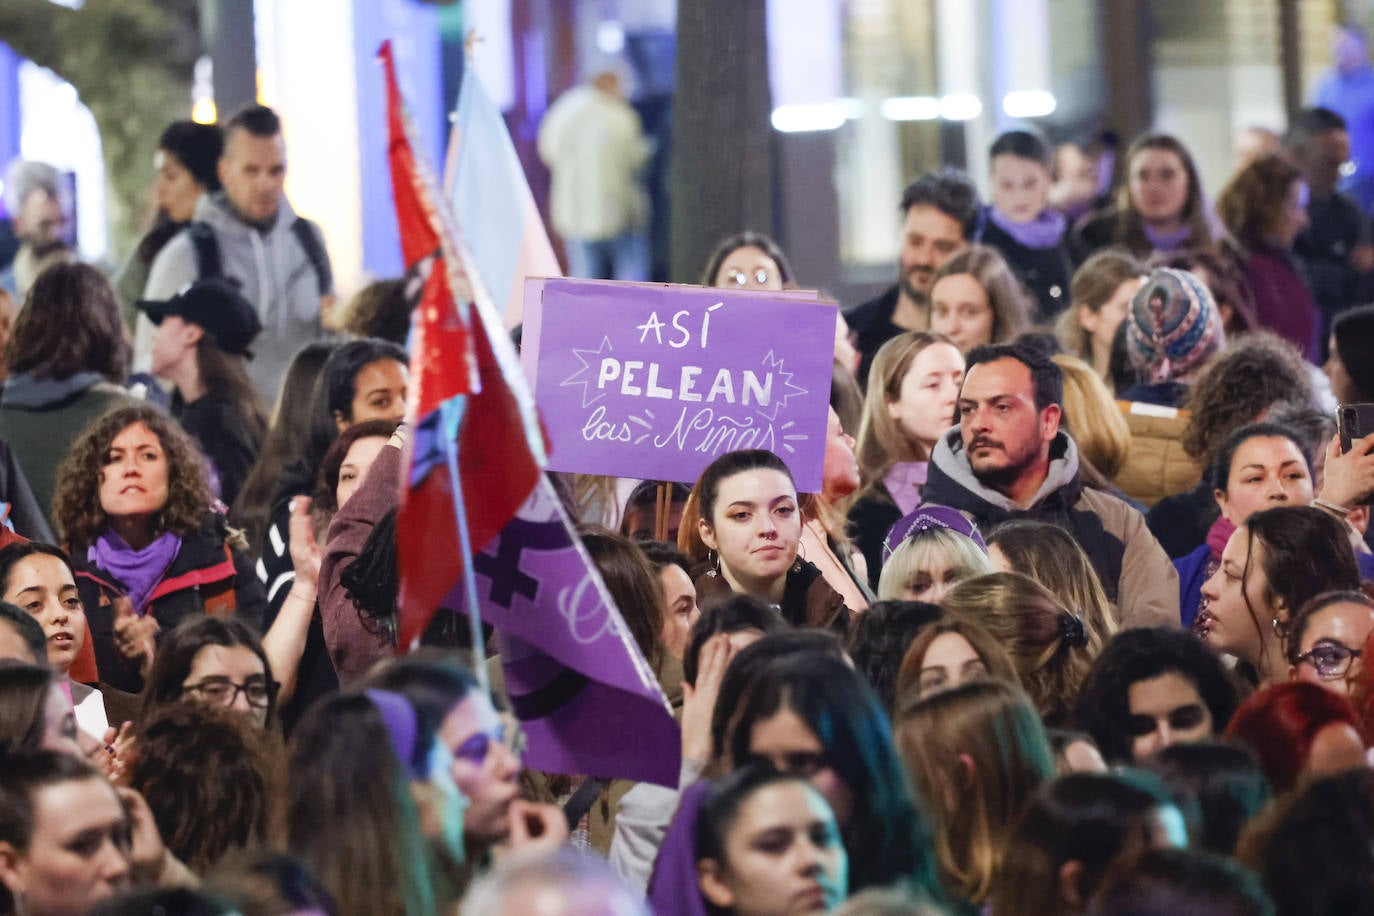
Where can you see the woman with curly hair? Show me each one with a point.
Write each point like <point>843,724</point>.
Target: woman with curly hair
<point>133,509</point>
<point>215,783</point>
<point>1264,208</point>
<point>1153,687</point>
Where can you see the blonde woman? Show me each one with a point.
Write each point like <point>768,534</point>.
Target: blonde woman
<point>1051,646</point>
<point>1099,298</point>
<point>913,386</point>
<point>1049,555</point>
<point>927,552</point>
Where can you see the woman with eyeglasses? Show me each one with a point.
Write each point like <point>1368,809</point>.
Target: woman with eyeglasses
<point>217,661</point>
<point>753,261</point>
<point>134,511</point>
<point>1327,639</point>
<point>748,260</point>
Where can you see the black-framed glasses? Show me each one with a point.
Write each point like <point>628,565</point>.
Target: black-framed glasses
<point>221,691</point>
<point>1330,659</point>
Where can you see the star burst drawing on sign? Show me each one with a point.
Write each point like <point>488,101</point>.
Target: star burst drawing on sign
<point>785,393</point>
<point>585,373</point>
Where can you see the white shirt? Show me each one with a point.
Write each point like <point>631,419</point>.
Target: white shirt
<point>593,144</point>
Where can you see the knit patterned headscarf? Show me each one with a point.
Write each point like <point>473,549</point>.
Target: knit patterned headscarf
<point>1173,326</point>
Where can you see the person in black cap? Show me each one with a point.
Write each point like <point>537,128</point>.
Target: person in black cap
<point>201,347</point>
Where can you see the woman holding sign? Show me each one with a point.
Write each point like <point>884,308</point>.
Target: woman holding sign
<point>743,519</point>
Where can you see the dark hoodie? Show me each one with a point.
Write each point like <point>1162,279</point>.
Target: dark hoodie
<point>1135,571</point>
<point>40,418</point>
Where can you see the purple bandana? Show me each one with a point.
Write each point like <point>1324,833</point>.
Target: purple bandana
<point>926,518</point>
<point>139,571</point>
<point>1044,231</point>
<point>399,718</point>
<point>904,481</point>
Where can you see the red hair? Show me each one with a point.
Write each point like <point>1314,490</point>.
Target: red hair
<point>1280,723</point>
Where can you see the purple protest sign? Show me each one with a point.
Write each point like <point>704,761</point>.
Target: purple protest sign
<point>588,701</point>
<point>656,381</point>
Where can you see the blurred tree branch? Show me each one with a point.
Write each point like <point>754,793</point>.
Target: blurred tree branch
<point>132,64</point>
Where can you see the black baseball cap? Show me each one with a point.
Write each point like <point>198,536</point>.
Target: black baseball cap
<point>217,306</point>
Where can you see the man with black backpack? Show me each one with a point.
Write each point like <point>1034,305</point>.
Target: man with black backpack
<point>249,234</point>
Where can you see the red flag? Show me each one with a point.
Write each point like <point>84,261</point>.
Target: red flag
<point>440,327</point>
<point>414,203</point>
<point>455,352</point>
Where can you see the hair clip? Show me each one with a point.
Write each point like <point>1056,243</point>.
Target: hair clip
<point>1072,631</point>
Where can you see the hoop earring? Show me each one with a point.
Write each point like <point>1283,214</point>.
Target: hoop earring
<point>1278,628</point>
<point>713,560</point>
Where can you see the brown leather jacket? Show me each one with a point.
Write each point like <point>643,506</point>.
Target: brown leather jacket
<point>807,599</point>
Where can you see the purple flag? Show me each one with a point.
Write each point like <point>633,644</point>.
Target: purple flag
<point>588,701</point>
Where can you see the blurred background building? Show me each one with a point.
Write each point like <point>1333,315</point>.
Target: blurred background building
<point>861,97</point>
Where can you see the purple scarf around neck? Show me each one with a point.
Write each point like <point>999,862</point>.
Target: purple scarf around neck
<point>1166,241</point>
<point>139,571</point>
<point>904,481</point>
<point>1044,231</point>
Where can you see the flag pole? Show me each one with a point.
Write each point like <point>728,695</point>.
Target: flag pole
<point>451,417</point>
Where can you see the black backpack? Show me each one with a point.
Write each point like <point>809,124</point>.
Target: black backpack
<point>209,263</point>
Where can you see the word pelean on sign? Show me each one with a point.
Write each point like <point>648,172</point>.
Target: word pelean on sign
<point>656,381</point>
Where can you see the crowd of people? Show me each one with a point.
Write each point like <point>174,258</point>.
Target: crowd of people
<point>1076,623</point>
